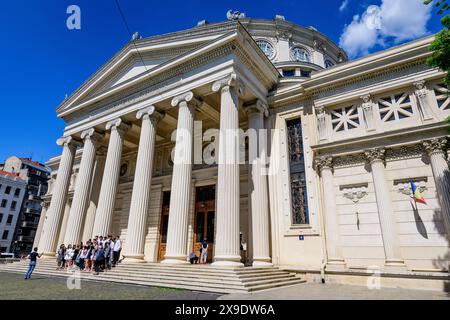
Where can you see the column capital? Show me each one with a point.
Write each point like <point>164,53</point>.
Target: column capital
<point>187,97</point>
<point>117,124</point>
<point>437,145</point>
<point>151,113</point>
<point>257,106</point>
<point>92,135</point>
<point>375,154</point>
<point>68,141</point>
<point>224,84</point>
<point>323,162</point>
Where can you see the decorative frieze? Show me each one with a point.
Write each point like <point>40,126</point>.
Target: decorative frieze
<point>403,186</point>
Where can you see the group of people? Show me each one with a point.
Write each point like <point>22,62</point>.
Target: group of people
<point>98,254</point>
<point>194,259</point>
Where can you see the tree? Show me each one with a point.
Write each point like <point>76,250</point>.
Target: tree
<point>441,4</point>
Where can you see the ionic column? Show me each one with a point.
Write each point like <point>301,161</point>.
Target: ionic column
<point>227,245</point>
<point>59,197</point>
<point>258,193</point>
<point>334,251</point>
<point>436,150</point>
<point>385,212</point>
<point>108,190</point>
<point>181,180</point>
<point>63,226</point>
<point>137,221</point>
<point>40,225</point>
<point>95,194</point>
<point>82,186</point>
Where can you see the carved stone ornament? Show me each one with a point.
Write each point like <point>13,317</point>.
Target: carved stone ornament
<point>437,145</point>
<point>323,162</point>
<point>236,15</point>
<point>321,122</point>
<point>354,192</point>
<point>367,107</point>
<point>376,154</point>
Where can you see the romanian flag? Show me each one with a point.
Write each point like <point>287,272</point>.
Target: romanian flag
<point>416,193</point>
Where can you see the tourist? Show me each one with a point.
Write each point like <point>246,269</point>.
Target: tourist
<point>60,258</point>
<point>116,250</point>
<point>193,258</point>
<point>76,251</point>
<point>99,259</point>
<point>33,260</point>
<point>68,257</point>
<point>204,255</point>
<point>107,254</point>
<point>82,257</point>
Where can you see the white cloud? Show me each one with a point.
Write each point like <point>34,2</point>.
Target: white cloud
<point>393,21</point>
<point>343,5</point>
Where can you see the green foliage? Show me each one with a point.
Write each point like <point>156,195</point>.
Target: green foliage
<point>441,49</point>
<point>443,5</point>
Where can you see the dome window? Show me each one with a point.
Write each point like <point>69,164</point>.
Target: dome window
<point>267,48</point>
<point>299,54</point>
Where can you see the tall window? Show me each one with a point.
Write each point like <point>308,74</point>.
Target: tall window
<point>17,192</point>
<point>4,202</point>
<point>297,167</point>
<point>10,218</point>
<point>5,235</point>
<point>13,206</point>
<point>8,190</point>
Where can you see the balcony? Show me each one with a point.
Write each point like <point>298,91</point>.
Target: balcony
<point>28,224</point>
<point>25,238</point>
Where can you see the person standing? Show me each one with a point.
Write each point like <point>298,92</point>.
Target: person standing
<point>33,260</point>
<point>204,255</point>
<point>116,250</point>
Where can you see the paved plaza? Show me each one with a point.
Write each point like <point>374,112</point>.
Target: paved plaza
<point>13,287</point>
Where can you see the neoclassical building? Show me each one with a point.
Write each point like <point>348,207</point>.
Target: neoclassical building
<point>150,152</point>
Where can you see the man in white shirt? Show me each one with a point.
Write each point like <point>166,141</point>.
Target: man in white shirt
<point>116,250</point>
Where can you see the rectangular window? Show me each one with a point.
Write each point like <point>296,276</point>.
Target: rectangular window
<point>305,74</point>
<point>299,196</point>
<point>10,218</point>
<point>5,235</point>
<point>289,73</point>
<point>13,205</point>
<point>17,192</point>
<point>1,217</point>
<point>8,190</point>
<point>4,203</point>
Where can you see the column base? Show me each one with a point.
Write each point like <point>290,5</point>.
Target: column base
<point>133,258</point>
<point>175,259</point>
<point>394,265</point>
<point>336,264</point>
<point>262,262</point>
<point>227,261</point>
<point>48,255</point>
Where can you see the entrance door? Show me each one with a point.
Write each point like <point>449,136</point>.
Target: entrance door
<point>164,225</point>
<point>205,219</point>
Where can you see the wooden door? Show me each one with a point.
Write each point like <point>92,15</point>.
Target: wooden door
<point>164,225</point>
<point>205,219</point>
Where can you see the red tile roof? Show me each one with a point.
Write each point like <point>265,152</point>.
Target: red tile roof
<point>9,174</point>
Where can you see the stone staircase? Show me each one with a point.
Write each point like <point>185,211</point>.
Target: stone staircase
<point>191,277</point>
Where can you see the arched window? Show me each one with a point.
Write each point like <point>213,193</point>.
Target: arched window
<point>300,54</point>
<point>328,64</point>
<point>267,48</point>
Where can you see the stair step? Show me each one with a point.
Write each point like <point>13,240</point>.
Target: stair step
<point>190,277</point>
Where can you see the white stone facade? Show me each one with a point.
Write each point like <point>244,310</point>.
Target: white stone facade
<point>367,127</point>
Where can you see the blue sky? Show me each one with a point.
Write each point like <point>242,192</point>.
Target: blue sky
<point>41,60</point>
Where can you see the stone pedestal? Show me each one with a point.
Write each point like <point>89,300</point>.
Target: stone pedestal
<point>137,221</point>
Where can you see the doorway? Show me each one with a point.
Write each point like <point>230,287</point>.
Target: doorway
<point>205,219</point>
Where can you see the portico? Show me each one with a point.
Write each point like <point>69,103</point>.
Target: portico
<point>218,79</point>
